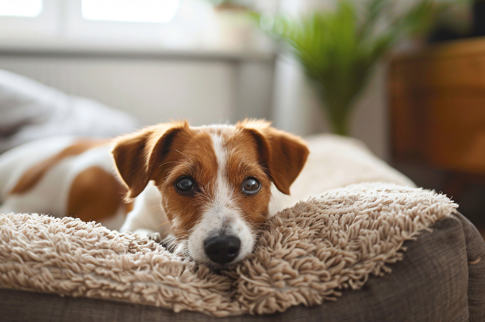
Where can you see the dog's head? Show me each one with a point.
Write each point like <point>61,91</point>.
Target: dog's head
<point>215,181</point>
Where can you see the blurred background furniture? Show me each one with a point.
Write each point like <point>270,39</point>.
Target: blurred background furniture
<point>437,115</point>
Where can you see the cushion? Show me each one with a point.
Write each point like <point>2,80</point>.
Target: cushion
<point>312,253</point>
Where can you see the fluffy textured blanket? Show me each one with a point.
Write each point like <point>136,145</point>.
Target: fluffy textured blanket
<point>306,254</point>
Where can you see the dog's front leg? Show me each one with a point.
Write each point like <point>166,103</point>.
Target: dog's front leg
<point>147,217</point>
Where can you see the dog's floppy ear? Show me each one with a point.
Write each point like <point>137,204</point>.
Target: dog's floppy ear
<point>139,155</point>
<point>282,154</point>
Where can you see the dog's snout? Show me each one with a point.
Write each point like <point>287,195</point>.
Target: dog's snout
<point>222,249</point>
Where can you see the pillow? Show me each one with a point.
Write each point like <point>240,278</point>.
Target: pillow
<point>32,111</point>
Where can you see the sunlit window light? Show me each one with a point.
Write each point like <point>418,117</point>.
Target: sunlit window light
<point>148,11</point>
<point>20,8</point>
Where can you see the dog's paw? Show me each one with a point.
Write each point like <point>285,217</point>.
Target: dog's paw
<point>155,237</point>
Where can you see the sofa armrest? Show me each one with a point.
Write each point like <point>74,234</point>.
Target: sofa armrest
<point>475,247</point>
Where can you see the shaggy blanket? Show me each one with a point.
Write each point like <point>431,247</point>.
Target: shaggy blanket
<point>305,255</point>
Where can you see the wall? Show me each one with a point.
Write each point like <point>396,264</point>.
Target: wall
<point>204,88</point>
<point>158,86</point>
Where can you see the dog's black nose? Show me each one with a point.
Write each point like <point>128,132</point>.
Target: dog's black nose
<point>222,249</point>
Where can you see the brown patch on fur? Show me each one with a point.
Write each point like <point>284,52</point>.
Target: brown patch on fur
<point>194,157</point>
<point>128,205</point>
<point>95,194</point>
<point>243,162</point>
<point>164,153</point>
<point>143,155</point>
<point>34,174</point>
<point>281,153</point>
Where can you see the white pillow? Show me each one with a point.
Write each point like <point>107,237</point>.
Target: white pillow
<point>30,111</point>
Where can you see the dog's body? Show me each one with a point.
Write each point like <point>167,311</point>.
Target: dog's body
<point>208,187</point>
<point>53,176</point>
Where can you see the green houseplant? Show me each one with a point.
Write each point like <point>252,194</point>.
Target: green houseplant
<point>340,48</point>
<point>228,4</point>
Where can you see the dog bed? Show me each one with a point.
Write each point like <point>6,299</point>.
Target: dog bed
<point>305,255</point>
<point>367,251</point>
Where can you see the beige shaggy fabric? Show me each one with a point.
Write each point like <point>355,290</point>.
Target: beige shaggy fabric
<point>306,254</point>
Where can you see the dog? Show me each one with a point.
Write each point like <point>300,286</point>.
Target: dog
<point>206,188</point>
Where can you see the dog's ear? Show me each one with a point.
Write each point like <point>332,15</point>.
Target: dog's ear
<point>139,156</point>
<point>282,154</point>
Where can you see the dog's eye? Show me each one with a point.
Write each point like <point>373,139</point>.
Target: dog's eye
<point>251,186</point>
<point>185,185</point>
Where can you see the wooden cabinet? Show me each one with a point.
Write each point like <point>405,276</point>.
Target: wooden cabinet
<point>437,106</point>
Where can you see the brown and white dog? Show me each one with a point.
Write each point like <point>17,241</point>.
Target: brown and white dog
<point>209,187</point>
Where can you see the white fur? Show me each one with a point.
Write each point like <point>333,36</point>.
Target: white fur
<point>147,216</point>
<point>221,215</point>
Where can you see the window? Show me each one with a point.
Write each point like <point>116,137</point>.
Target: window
<point>20,8</point>
<point>40,22</point>
<point>148,11</point>
<point>32,19</point>
<point>120,24</point>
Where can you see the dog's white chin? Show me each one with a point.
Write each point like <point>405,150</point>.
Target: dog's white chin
<point>211,224</point>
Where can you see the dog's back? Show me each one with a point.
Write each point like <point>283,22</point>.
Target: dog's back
<point>62,176</point>
<point>15,162</point>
